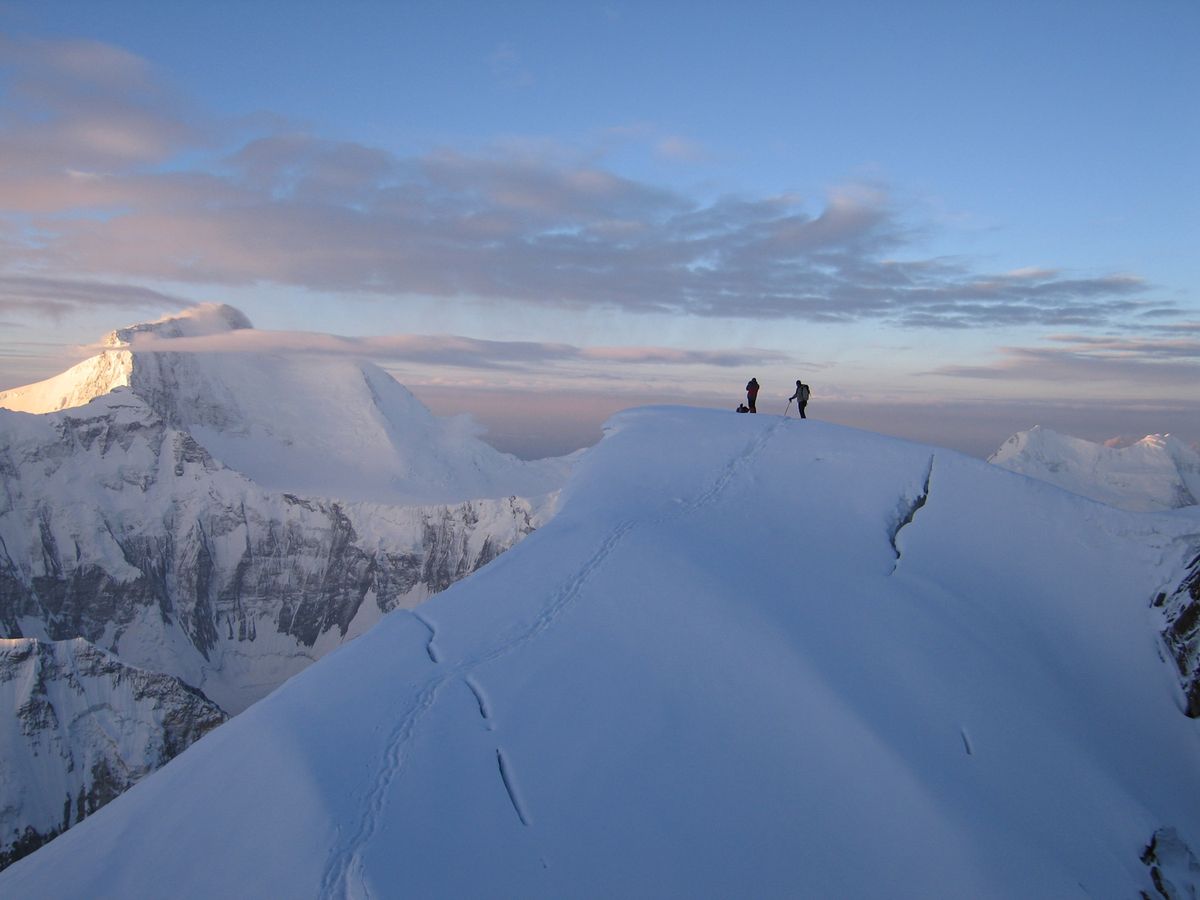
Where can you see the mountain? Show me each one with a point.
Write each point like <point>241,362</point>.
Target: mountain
<point>1158,472</point>
<point>227,517</point>
<point>308,424</point>
<point>122,530</point>
<point>749,656</point>
<point>87,728</point>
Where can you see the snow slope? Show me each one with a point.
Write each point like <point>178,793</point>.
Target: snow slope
<point>1158,472</point>
<point>749,657</point>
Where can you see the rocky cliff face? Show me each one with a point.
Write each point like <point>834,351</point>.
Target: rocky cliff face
<point>1182,634</point>
<point>119,529</point>
<point>86,727</point>
<point>223,517</point>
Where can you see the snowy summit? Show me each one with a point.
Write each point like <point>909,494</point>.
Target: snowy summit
<point>315,426</point>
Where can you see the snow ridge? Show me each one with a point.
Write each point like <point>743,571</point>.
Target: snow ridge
<point>343,876</point>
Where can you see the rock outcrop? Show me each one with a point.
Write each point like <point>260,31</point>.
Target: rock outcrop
<point>86,727</point>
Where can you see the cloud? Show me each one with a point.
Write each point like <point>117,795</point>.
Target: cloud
<point>447,350</point>
<point>105,178</point>
<point>58,296</point>
<point>84,105</point>
<point>1162,362</point>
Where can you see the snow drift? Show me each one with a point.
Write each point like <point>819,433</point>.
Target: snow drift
<point>749,657</point>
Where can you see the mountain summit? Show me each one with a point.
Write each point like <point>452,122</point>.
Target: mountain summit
<point>311,424</point>
<point>748,657</point>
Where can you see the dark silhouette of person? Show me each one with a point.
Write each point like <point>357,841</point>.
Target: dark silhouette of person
<point>801,397</point>
<point>752,394</point>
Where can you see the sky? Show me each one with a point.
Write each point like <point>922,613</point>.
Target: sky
<point>953,220</point>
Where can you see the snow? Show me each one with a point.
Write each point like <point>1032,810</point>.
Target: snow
<point>1158,472</point>
<point>81,716</point>
<point>80,384</point>
<point>92,481</point>
<point>749,656</point>
<point>306,424</point>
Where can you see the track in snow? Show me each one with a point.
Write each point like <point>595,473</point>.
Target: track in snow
<point>344,876</point>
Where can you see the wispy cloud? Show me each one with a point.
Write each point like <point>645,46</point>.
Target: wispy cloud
<point>56,297</point>
<point>1136,361</point>
<point>447,350</point>
<point>102,179</point>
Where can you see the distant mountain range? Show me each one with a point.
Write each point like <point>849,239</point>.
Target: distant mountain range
<point>1157,472</point>
<point>747,656</point>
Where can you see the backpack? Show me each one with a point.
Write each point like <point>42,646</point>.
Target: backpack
<point>804,393</point>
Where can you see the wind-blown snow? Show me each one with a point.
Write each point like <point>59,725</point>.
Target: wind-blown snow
<point>1158,472</point>
<point>749,657</point>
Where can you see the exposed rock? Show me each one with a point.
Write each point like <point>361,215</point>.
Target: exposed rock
<point>116,528</point>
<point>1173,867</point>
<point>1182,634</point>
<point>87,727</point>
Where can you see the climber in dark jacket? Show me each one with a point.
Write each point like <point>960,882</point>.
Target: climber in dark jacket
<point>752,394</point>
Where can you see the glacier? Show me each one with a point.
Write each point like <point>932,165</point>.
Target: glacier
<point>748,656</point>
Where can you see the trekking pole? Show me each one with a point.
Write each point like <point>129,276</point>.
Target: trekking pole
<point>789,406</point>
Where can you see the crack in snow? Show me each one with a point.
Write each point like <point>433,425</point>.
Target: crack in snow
<point>909,515</point>
<point>345,868</point>
<point>429,648</point>
<point>506,777</point>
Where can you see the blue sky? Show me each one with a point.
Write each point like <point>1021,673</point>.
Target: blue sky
<point>954,219</point>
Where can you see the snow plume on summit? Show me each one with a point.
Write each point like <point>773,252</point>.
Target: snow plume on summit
<point>748,657</point>
<point>113,366</point>
<point>1157,472</point>
<point>197,321</point>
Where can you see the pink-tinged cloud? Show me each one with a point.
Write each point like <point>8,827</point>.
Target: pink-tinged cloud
<point>446,350</point>
<point>109,178</point>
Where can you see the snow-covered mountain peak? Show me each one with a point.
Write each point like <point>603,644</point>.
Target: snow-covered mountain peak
<point>1154,473</point>
<point>316,425</point>
<point>203,320</point>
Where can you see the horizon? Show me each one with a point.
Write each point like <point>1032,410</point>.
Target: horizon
<point>954,223</point>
